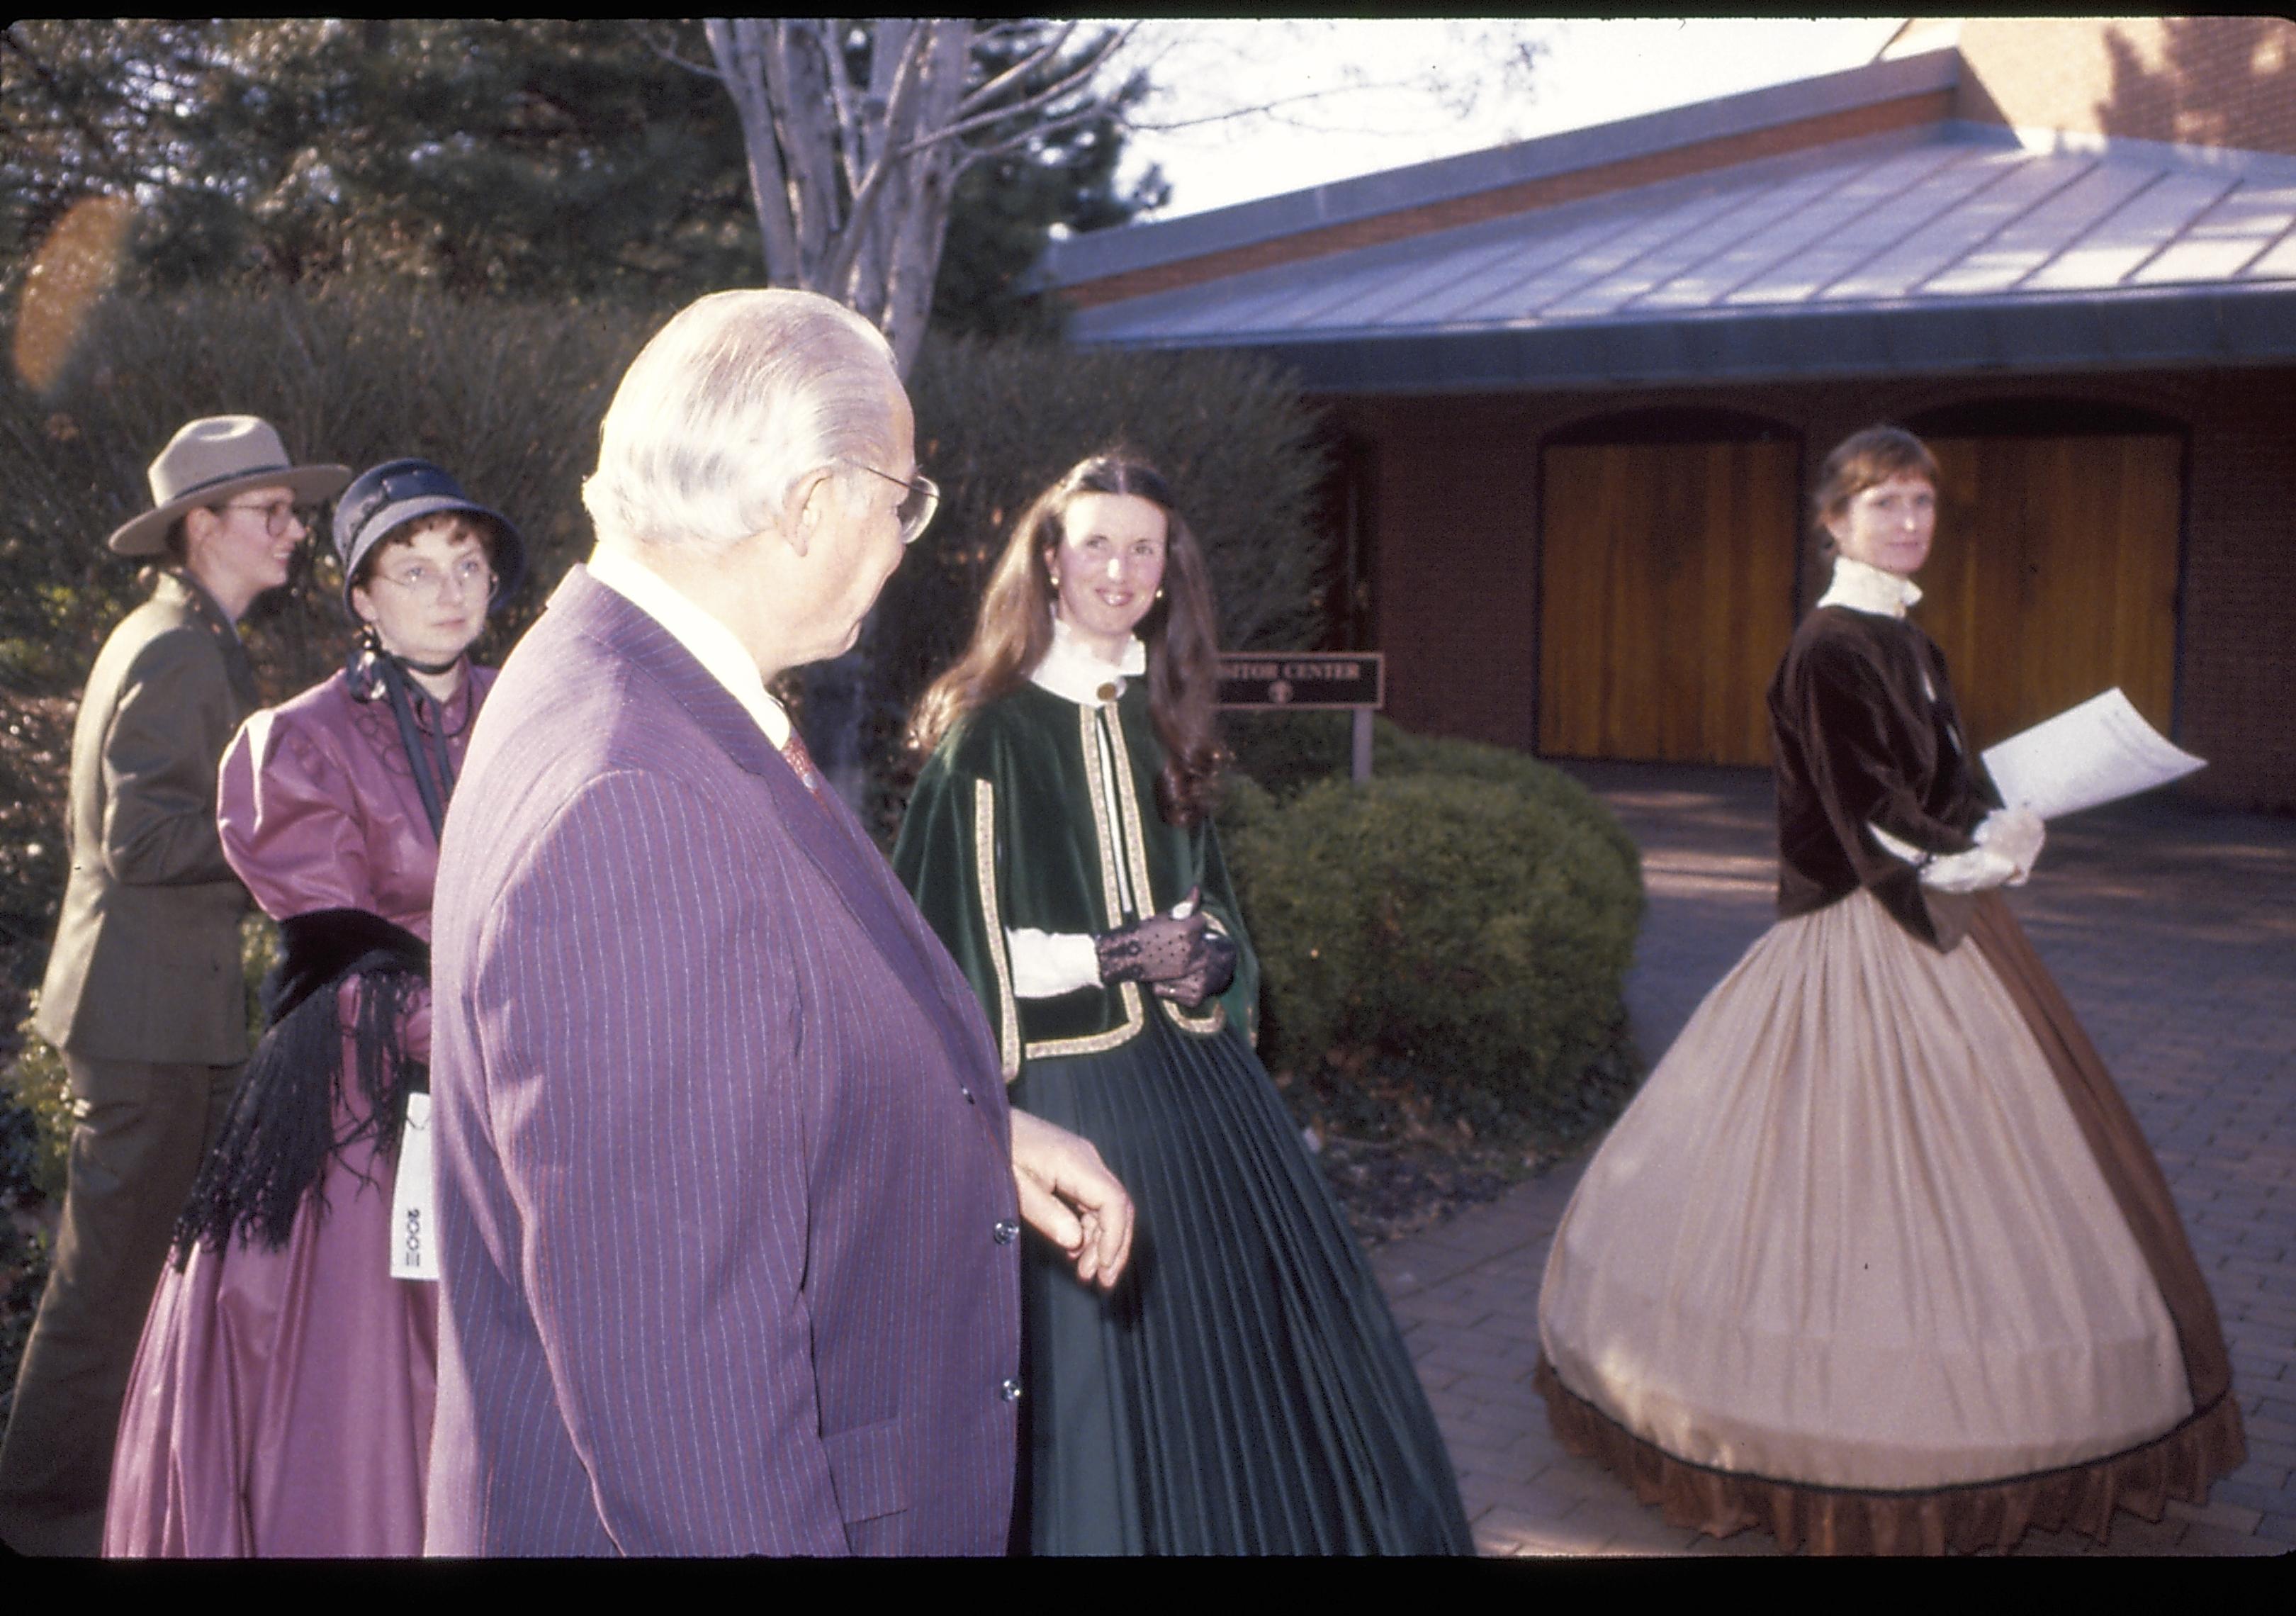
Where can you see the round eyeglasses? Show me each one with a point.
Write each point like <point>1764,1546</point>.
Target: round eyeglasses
<point>916,509</point>
<point>276,514</point>
<point>419,578</point>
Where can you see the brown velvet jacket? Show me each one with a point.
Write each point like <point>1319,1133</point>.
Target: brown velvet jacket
<point>1860,741</point>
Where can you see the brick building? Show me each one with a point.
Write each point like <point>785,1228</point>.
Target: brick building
<point>1579,384</point>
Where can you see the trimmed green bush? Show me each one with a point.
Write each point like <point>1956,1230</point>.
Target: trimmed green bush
<point>1471,913</point>
<point>1289,752</point>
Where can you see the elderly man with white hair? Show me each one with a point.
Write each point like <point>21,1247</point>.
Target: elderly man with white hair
<point>728,1195</point>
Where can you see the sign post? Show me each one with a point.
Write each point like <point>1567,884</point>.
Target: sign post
<point>1309,681</point>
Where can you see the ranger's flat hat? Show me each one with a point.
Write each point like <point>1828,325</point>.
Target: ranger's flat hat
<point>211,460</point>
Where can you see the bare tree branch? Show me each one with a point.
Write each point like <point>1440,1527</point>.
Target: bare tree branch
<point>998,33</point>
<point>807,154</point>
<point>1060,125</point>
<point>1230,114</point>
<point>1096,58</point>
<point>1018,73</point>
<point>899,107</point>
<point>642,28</point>
<point>852,143</point>
<point>741,71</point>
<point>1067,85</point>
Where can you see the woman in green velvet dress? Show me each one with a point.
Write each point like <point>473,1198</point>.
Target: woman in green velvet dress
<point>1243,1390</point>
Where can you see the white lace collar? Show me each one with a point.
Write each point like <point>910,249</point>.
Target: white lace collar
<point>1863,587</point>
<point>1076,674</point>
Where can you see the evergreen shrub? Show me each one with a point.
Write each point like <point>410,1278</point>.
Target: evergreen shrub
<point>505,396</point>
<point>1469,913</point>
<point>508,395</point>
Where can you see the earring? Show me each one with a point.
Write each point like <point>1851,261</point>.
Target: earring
<point>1160,592</point>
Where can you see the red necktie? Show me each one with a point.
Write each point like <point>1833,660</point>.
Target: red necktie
<point>801,762</point>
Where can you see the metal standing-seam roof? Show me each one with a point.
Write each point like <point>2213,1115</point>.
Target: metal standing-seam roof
<point>1952,246</point>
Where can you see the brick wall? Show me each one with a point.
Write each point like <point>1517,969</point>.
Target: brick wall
<point>2237,695</point>
<point>1456,511</point>
<point>1455,593</point>
<point>2208,81</point>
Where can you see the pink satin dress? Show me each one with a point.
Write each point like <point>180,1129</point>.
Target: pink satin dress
<point>281,1401</point>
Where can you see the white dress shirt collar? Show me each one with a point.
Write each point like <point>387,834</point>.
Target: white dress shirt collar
<point>1075,673</point>
<point>712,643</point>
<point>1863,587</point>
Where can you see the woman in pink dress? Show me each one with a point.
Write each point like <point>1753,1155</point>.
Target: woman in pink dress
<point>281,1400</point>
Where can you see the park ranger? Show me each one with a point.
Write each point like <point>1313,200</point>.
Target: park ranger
<point>143,993</point>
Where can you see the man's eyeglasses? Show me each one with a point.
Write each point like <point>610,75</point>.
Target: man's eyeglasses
<point>916,509</point>
<point>276,514</point>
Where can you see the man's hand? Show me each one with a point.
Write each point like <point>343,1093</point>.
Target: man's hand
<point>1070,1197</point>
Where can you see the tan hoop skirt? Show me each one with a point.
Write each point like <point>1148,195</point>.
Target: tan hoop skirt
<point>1879,1260</point>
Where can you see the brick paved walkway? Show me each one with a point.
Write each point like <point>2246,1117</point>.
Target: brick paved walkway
<point>2171,928</point>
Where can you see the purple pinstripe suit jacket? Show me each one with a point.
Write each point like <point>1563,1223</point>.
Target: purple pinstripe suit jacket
<point>722,1145</point>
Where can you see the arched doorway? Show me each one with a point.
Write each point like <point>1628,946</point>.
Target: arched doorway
<point>1666,564</point>
<point>2054,573</point>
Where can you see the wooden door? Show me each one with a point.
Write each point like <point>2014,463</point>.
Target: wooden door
<point>1666,598</point>
<point>2054,574</point>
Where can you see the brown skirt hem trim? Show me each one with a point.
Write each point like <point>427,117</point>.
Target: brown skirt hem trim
<point>1955,1519</point>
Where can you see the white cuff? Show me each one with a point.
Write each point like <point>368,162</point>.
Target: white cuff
<point>2017,833</point>
<point>1046,964</point>
<point>1971,871</point>
<point>1905,851</point>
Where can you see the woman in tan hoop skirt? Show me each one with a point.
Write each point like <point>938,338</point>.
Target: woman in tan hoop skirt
<point>1878,1260</point>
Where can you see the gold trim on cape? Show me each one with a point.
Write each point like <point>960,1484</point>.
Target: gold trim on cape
<point>1128,993</point>
<point>984,865</point>
<point>1135,848</point>
<point>1097,788</point>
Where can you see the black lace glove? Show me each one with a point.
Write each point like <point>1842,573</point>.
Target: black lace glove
<point>1210,975</point>
<point>1157,949</point>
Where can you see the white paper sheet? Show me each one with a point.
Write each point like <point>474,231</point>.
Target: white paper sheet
<point>2099,751</point>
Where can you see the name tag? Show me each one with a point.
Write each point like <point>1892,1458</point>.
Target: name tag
<point>413,1218</point>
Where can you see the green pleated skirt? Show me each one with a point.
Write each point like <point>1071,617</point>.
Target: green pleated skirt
<point>1243,1390</point>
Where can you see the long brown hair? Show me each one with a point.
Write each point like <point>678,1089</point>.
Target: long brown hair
<point>1180,631</point>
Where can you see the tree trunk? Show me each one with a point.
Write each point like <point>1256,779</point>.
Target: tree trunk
<point>739,45</point>
<point>853,185</point>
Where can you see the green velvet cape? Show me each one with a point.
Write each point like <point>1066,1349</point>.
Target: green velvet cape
<point>1006,830</point>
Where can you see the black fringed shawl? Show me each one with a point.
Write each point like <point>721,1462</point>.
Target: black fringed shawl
<point>275,1147</point>
<point>282,1131</point>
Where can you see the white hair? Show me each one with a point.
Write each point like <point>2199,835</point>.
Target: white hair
<point>738,397</point>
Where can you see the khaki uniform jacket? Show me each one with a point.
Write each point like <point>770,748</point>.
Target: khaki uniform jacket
<point>146,964</point>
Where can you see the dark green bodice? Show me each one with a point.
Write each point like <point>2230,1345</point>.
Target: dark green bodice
<point>1011,828</point>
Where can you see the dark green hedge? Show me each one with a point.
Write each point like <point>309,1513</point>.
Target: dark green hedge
<point>1470,912</point>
